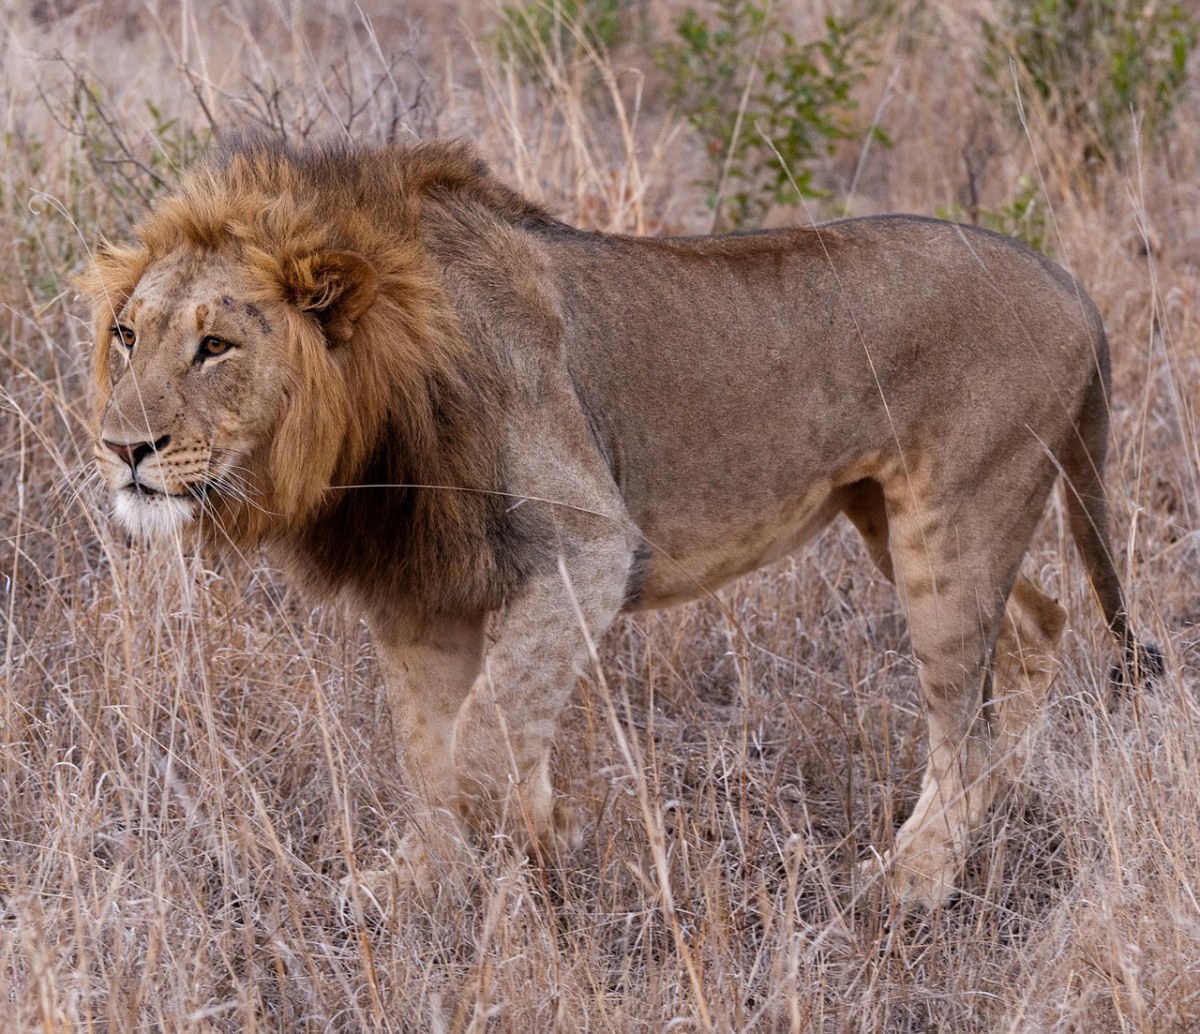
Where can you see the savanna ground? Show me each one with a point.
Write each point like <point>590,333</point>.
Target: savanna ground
<point>190,756</point>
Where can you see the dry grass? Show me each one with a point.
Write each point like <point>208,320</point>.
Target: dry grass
<point>189,758</point>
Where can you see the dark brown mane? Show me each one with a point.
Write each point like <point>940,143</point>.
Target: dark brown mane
<point>407,400</point>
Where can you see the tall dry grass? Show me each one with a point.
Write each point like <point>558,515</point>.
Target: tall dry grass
<point>190,757</point>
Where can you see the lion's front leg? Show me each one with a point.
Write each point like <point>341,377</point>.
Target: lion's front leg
<point>505,728</point>
<point>429,668</point>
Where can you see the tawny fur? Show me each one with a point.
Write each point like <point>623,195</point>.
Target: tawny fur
<point>430,399</point>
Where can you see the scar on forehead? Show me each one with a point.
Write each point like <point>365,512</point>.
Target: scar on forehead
<point>251,310</point>
<point>201,316</point>
<point>254,312</point>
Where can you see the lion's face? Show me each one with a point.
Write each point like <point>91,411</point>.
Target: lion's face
<point>194,388</point>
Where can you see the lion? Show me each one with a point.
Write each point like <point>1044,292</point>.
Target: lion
<point>490,433</point>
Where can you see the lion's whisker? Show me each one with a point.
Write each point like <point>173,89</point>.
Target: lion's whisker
<point>521,498</point>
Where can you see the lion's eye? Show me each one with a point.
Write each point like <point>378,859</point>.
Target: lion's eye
<point>211,347</point>
<point>124,334</point>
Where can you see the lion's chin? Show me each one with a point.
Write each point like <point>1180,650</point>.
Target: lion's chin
<point>154,516</point>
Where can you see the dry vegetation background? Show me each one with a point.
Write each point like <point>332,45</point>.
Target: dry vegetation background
<point>189,756</point>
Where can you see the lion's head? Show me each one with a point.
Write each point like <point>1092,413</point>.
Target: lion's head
<point>220,391</point>
<point>263,331</point>
<point>277,361</point>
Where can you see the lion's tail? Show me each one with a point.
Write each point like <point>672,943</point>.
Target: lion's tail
<point>1087,508</point>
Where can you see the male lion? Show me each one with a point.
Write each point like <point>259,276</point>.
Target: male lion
<point>423,395</point>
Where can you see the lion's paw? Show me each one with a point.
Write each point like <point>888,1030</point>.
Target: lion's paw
<point>925,880</point>
<point>553,838</point>
<point>412,873</point>
<point>541,826</point>
<point>565,835</point>
<point>374,892</point>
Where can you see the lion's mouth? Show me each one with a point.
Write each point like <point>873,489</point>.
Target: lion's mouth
<point>151,513</point>
<point>197,492</point>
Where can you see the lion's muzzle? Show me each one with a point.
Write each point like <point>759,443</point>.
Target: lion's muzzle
<point>133,453</point>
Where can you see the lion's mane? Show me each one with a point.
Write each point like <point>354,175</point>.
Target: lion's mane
<point>385,388</point>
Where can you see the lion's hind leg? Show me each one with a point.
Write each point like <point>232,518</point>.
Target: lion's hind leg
<point>1024,664</point>
<point>1024,668</point>
<point>984,669</point>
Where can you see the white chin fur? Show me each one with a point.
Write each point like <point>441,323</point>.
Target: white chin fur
<point>151,517</point>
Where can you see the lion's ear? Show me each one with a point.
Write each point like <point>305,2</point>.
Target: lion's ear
<point>337,287</point>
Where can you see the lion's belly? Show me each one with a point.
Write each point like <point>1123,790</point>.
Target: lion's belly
<point>687,562</point>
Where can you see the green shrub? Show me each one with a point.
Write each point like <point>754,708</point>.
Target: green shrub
<point>1092,62</point>
<point>744,85</point>
<point>130,167</point>
<point>1026,217</point>
<point>531,33</point>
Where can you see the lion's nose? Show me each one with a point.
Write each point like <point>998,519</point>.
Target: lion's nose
<point>134,452</point>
